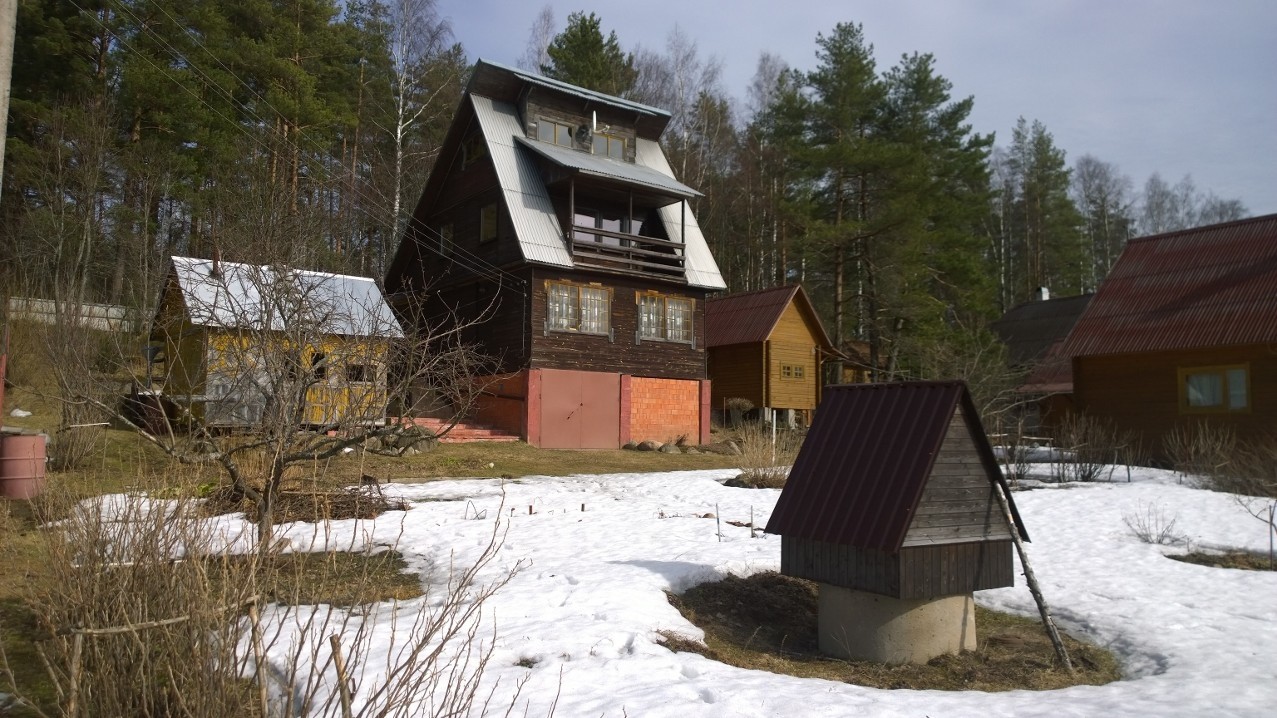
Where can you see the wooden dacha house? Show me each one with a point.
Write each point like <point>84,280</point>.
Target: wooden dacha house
<point>892,508</point>
<point>553,222</point>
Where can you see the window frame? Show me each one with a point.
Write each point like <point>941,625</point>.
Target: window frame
<point>1220,372</point>
<point>556,126</point>
<point>575,313</point>
<point>793,372</point>
<point>608,139</point>
<point>492,223</point>
<point>664,301</point>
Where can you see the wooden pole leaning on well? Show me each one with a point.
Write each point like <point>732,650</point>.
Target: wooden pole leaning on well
<point>1047,621</point>
<point>343,686</point>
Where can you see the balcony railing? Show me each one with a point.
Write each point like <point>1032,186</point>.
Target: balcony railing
<point>627,253</point>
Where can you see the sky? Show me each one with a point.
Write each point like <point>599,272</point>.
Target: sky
<point>1179,87</point>
<point>577,626</point>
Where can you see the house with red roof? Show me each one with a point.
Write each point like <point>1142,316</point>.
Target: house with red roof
<point>766,347</point>
<point>1183,331</point>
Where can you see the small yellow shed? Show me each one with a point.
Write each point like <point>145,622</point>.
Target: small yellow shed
<point>237,339</point>
<point>766,347</point>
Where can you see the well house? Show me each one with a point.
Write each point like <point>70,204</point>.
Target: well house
<point>892,508</point>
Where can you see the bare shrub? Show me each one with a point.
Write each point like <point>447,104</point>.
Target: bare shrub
<point>147,613</point>
<point>1200,448</point>
<point>1089,448</point>
<point>1015,448</point>
<point>1151,524</point>
<point>765,464</point>
<point>735,409</point>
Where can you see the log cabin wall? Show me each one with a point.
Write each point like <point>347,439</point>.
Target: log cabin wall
<point>1141,392</point>
<point>622,352</point>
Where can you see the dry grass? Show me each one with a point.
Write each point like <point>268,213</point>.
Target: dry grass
<point>1243,560</point>
<point>764,464</point>
<point>768,622</point>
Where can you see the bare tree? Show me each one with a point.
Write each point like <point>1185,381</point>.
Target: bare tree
<point>536,56</point>
<point>1103,195</point>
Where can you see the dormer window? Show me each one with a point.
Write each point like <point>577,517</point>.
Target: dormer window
<point>556,133</point>
<point>609,146</point>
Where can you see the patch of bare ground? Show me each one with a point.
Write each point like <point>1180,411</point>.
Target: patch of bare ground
<point>1232,559</point>
<point>768,622</point>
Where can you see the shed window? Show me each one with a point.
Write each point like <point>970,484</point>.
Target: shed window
<point>792,371</point>
<point>359,373</point>
<point>575,308</point>
<point>665,318</point>
<point>1214,389</point>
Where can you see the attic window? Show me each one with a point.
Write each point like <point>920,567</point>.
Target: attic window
<point>556,133</point>
<point>1214,389</point>
<point>488,222</point>
<point>473,149</point>
<point>609,145</point>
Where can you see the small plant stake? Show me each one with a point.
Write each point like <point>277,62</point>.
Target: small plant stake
<point>718,519</point>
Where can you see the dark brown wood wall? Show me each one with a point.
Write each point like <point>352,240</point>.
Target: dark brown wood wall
<point>958,504</point>
<point>736,371</point>
<point>1140,392</point>
<point>921,572</point>
<point>622,353</point>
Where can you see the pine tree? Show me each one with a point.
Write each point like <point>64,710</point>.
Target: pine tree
<point>580,55</point>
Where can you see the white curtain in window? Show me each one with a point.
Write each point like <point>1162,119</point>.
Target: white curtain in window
<point>563,309</point>
<point>651,312</point>
<point>594,310</point>
<point>678,320</point>
<point>1204,389</point>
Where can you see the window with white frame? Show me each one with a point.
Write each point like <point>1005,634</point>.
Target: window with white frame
<point>1214,388</point>
<point>574,308</point>
<point>665,318</point>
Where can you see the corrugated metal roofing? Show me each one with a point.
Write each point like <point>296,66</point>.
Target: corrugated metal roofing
<point>862,469</point>
<point>1029,330</point>
<point>559,85</point>
<point>537,228</point>
<point>701,269</point>
<point>608,168</point>
<point>751,317</point>
<point>1206,287</point>
<point>256,297</point>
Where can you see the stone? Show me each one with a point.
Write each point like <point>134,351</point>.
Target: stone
<point>631,445</point>
<point>691,450</point>
<point>648,445</point>
<point>669,448</point>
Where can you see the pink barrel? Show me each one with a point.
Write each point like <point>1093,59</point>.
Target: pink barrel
<point>21,465</point>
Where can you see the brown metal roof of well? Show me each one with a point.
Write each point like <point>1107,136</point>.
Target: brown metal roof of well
<point>750,317</point>
<point>862,469</point>
<point>1206,287</point>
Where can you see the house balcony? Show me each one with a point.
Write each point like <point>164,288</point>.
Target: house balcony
<point>625,253</point>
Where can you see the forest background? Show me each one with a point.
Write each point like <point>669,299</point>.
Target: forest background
<point>301,131</point>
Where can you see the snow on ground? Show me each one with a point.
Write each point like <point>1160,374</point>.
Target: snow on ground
<point>588,603</point>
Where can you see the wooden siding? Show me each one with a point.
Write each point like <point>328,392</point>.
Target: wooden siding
<point>792,342</point>
<point>958,504</point>
<point>1140,392</point>
<point>921,572</point>
<point>736,371</point>
<point>622,352</point>
<point>505,334</point>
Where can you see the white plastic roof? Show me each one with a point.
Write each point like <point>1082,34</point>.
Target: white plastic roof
<point>245,296</point>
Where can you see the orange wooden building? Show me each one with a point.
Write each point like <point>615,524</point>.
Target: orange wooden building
<point>766,347</point>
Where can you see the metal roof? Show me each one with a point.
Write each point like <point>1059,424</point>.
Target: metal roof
<point>1030,329</point>
<point>483,67</point>
<point>867,458</point>
<point>698,262</point>
<point>610,169</point>
<point>234,295</point>
<point>751,317</point>
<point>541,239</point>
<point>1206,287</point>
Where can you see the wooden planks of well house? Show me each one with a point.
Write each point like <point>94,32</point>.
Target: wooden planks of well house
<point>893,494</point>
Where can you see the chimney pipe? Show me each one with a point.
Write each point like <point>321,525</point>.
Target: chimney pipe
<point>1042,294</point>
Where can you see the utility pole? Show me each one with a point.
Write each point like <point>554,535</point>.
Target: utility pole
<point>8,22</point>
